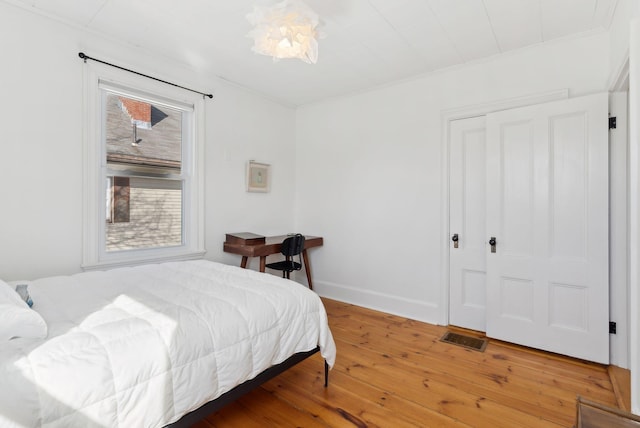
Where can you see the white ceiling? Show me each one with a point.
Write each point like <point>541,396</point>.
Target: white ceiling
<point>368,43</point>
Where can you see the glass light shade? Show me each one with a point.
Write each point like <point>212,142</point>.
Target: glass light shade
<point>285,30</point>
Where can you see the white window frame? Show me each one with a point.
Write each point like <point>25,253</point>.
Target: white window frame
<point>97,78</point>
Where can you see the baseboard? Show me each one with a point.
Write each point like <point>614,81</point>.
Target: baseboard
<point>420,311</point>
<point>621,381</point>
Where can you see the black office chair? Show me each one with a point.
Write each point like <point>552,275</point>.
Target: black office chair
<point>291,247</point>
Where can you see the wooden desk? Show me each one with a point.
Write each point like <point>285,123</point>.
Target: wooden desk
<point>272,245</point>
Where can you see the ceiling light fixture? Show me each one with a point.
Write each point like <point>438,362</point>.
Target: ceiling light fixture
<point>285,30</point>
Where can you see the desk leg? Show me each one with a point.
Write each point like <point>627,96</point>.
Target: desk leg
<point>263,262</point>
<point>243,263</point>
<point>307,268</point>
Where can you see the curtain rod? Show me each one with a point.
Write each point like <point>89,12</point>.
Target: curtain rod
<point>86,57</point>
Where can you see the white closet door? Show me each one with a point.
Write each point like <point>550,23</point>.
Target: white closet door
<point>467,262</point>
<point>547,207</point>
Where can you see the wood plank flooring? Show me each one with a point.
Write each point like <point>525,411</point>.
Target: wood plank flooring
<point>395,372</point>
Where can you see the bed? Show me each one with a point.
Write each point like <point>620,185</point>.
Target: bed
<point>152,345</point>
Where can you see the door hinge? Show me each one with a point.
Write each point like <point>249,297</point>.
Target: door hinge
<point>612,122</point>
<point>612,327</point>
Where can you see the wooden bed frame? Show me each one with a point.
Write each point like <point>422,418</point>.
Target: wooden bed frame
<point>246,387</point>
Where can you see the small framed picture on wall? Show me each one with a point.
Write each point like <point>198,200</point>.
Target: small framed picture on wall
<point>258,177</point>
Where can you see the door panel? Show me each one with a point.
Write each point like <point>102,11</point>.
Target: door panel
<point>547,206</point>
<point>467,219</point>
<point>515,185</point>
<point>569,174</point>
<point>516,299</point>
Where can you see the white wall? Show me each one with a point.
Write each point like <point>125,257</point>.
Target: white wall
<point>247,127</point>
<point>634,213</point>
<point>41,146</point>
<point>625,45</point>
<point>619,36</point>
<point>369,170</point>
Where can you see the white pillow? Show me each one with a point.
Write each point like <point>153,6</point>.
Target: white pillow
<point>17,319</point>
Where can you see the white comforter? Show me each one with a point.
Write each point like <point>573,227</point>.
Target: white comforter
<point>141,346</point>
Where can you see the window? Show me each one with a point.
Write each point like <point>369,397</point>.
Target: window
<point>143,142</point>
<point>144,176</point>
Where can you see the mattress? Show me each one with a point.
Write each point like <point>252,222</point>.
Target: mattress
<point>142,346</point>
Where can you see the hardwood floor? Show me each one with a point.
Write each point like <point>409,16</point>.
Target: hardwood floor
<point>395,372</point>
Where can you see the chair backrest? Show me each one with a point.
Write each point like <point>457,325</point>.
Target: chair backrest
<point>293,245</point>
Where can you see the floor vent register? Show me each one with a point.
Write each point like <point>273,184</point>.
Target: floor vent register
<point>470,342</point>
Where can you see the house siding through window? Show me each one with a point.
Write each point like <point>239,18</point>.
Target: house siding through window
<point>155,216</point>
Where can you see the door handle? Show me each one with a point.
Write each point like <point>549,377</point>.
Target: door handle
<point>493,242</point>
<point>454,238</point>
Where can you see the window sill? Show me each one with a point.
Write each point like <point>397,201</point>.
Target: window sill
<point>133,261</point>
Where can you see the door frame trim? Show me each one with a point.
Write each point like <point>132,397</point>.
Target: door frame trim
<point>464,113</point>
